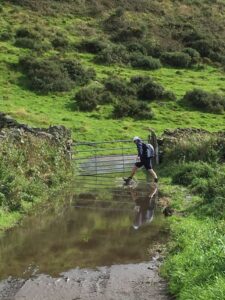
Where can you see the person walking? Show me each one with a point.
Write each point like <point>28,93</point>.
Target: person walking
<point>145,155</point>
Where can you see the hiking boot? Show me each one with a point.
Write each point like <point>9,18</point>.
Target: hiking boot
<point>156,180</point>
<point>127,180</point>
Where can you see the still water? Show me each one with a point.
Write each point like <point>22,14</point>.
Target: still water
<point>101,223</point>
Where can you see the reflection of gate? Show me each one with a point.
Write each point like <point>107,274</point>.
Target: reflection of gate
<point>98,158</point>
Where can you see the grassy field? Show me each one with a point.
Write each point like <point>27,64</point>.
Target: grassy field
<point>44,110</point>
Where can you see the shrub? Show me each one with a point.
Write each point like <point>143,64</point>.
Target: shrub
<point>48,76</point>
<point>145,62</point>
<point>31,44</point>
<point>132,108</point>
<point>139,80</point>
<point>87,98</point>
<point>115,20</point>
<point>54,75</point>
<point>194,54</point>
<point>6,35</point>
<point>152,48</point>
<point>26,32</point>
<point>150,91</point>
<point>77,72</point>
<point>118,87</point>
<point>60,42</point>
<point>135,47</point>
<point>112,55</point>
<point>106,98</point>
<point>204,101</point>
<point>92,46</point>
<point>129,33</point>
<point>176,59</point>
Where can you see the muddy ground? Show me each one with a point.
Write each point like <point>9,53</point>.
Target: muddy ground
<point>118,282</point>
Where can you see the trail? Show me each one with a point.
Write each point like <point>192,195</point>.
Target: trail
<point>118,282</point>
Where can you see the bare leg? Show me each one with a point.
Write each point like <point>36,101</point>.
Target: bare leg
<point>152,172</point>
<point>134,170</point>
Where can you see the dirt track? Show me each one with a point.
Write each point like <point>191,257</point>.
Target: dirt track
<point>118,282</point>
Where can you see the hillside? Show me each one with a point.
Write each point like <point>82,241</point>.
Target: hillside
<point>107,41</point>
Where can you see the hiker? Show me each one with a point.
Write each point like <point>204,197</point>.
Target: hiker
<point>145,155</point>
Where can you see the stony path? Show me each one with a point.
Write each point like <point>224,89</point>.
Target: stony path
<point>118,282</point>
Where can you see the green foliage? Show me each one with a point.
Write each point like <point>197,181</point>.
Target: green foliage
<point>136,47</point>
<point>93,46</point>
<point>195,147</point>
<point>24,177</point>
<point>176,59</point>
<point>151,91</point>
<point>145,62</point>
<point>204,101</point>
<point>113,55</point>
<point>132,108</point>
<point>195,267</point>
<point>46,75</point>
<point>118,87</point>
<point>60,42</point>
<point>194,54</point>
<point>77,72</point>
<point>54,75</point>
<point>87,98</point>
<point>129,33</point>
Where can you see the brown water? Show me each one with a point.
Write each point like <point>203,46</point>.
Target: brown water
<point>102,223</point>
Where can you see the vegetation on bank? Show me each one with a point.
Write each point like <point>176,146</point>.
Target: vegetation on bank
<point>194,266</point>
<point>32,169</point>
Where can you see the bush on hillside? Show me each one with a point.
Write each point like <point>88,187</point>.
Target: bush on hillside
<point>205,101</point>
<point>140,80</point>
<point>118,87</point>
<point>113,55</point>
<point>194,54</point>
<point>135,47</point>
<point>132,108</point>
<point>54,75</point>
<point>26,32</point>
<point>77,72</point>
<point>115,20</point>
<point>129,33</point>
<point>92,46</point>
<point>6,35</point>
<point>106,98</point>
<point>152,48</point>
<point>48,76</point>
<point>87,98</point>
<point>60,42</point>
<point>176,59</point>
<point>33,44</point>
<point>151,91</point>
<point>145,62</point>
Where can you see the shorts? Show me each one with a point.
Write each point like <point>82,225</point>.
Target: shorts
<point>147,163</point>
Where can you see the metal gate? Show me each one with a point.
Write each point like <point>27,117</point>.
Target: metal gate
<point>101,158</point>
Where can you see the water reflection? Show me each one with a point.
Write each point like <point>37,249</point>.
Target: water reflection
<point>94,228</point>
<point>144,205</point>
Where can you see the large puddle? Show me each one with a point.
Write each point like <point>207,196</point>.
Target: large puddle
<point>102,223</point>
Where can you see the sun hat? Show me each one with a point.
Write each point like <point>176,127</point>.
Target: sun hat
<point>136,138</point>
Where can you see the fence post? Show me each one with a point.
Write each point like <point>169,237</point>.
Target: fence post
<point>152,139</point>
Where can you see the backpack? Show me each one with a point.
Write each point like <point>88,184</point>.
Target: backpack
<point>150,151</point>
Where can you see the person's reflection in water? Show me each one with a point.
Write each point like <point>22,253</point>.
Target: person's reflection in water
<point>144,205</point>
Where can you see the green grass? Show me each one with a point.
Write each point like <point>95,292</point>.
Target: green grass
<point>39,110</point>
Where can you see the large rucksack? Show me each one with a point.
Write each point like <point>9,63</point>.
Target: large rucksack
<point>150,151</point>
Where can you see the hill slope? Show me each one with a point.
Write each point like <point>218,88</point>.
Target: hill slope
<point>56,29</point>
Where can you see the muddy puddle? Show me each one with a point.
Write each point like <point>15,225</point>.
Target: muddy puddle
<point>101,223</point>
